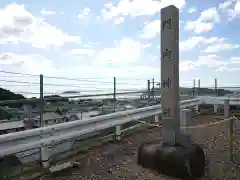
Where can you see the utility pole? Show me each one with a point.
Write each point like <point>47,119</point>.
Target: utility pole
<point>114,94</point>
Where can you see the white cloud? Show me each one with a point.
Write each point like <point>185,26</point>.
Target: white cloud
<point>186,65</point>
<point>151,29</point>
<point>98,18</point>
<point>192,10</point>
<point>119,20</point>
<point>37,64</point>
<point>137,8</point>
<point>19,25</point>
<point>190,43</point>
<point>205,22</point>
<point>215,44</point>
<point>46,12</point>
<point>230,8</point>
<point>237,7</point>
<point>32,63</point>
<point>210,61</point>
<point>225,5</point>
<point>196,41</point>
<point>221,47</point>
<point>224,68</point>
<point>84,13</point>
<point>82,52</point>
<point>119,72</point>
<point>126,51</point>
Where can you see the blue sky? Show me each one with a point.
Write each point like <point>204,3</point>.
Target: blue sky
<point>102,39</point>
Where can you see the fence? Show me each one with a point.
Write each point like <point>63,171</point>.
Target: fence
<point>148,94</point>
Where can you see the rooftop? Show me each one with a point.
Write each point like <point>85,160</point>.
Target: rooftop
<point>11,125</point>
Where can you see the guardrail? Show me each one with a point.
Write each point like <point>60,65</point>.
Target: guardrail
<point>35,138</point>
<point>30,139</point>
<point>219,100</point>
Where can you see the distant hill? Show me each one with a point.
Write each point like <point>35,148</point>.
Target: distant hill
<point>56,98</point>
<point>71,92</point>
<point>8,95</point>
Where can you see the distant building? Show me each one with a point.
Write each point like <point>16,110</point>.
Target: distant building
<point>50,118</point>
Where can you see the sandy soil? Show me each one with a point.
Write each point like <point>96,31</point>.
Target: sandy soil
<point>118,161</point>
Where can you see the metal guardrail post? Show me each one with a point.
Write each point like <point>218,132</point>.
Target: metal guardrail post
<point>226,108</point>
<point>118,132</point>
<point>185,119</point>
<point>118,127</point>
<point>215,108</point>
<point>156,118</point>
<point>44,152</point>
<point>197,108</point>
<point>230,129</point>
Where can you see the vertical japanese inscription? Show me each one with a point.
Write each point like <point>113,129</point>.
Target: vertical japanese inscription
<point>167,24</point>
<point>167,53</point>
<point>167,83</point>
<point>167,112</point>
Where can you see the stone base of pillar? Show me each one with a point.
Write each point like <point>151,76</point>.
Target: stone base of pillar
<point>185,160</point>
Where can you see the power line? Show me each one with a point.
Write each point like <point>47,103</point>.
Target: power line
<point>24,74</point>
<point>81,91</point>
<point>64,78</point>
<point>47,84</point>
<point>9,76</point>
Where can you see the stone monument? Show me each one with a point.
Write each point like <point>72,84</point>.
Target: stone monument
<point>175,155</point>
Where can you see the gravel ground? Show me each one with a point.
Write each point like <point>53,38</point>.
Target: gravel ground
<point>118,161</point>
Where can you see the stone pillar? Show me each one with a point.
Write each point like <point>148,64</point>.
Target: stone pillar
<point>173,156</point>
<point>170,74</point>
